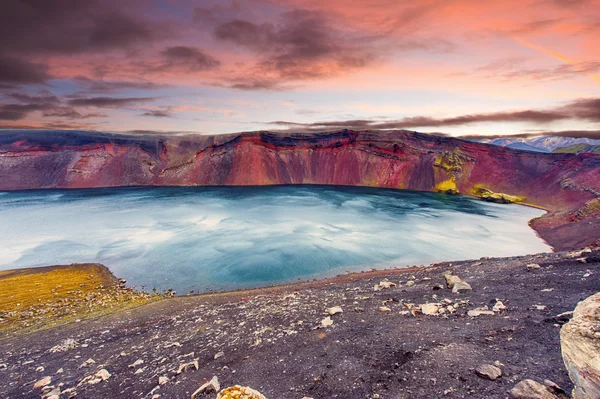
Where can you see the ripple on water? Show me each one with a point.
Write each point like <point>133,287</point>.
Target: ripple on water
<point>240,237</point>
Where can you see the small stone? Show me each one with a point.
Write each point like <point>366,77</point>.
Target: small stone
<point>498,306</point>
<point>480,311</point>
<point>530,389</point>
<point>102,374</point>
<point>162,380</point>
<point>186,366</point>
<point>384,309</point>
<point>40,369</point>
<point>136,363</point>
<point>533,266</point>
<point>461,287</point>
<point>326,322</point>
<point>43,382</point>
<point>334,310</point>
<point>51,393</point>
<point>451,279</point>
<point>410,283</point>
<point>554,387</point>
<point>218,355</point>
<point>430,309</point>
<point>60,371</point>
<point>239,392</point>
<point>87,363</point>
<point>386,284</point>
<point>488,371</point>
<point>211,386</point>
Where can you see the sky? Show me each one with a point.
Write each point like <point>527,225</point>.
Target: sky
<point>458,67</point>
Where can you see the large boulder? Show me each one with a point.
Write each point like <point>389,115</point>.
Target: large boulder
<point>580,345</point>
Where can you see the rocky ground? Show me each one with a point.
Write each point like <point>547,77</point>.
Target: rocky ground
<point>386,334</point>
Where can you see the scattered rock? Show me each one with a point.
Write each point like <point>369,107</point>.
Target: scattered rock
<point>136,363</point>
<point>579,341</point>
<point>384,309</point>
<point>410,283</point>
<point>461,287</point>
<point>50,392</point>
<point>488,371</point>
<point>102,374</point>
<point>64,346</point>
<point>162,380</point>
<point>430,309</point>
<point>533,266</point>
<point>554,387</point>
<point>238,392</point>
<point>326,322</point>
<point>334,310</point>
<point>480,311</point>
<point>43,382</point>
<point>451,279</point>
<point>218,355</point>
<point>530,389</point>
<point>87,363</point>
<point>186,366</point>
<point>211,386</point>
<point>456,284</point>
<point>386,284</point>
<point>498,306</point>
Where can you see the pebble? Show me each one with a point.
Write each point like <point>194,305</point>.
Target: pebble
<point>488,371</point>
<point>530,389</point>
<point>334,310</point>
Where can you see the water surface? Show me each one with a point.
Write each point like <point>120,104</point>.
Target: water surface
<point>196,238</point>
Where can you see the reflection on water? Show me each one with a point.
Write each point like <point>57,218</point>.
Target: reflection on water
<point>237,237</point>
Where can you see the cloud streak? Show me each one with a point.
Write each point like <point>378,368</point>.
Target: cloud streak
<point>583,109</point>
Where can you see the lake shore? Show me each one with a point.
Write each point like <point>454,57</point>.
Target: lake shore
<point>380,344</point>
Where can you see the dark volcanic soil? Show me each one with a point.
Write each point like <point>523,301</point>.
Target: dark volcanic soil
<point>272,339</point>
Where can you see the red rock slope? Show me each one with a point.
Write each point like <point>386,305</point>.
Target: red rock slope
<point>567,185</point>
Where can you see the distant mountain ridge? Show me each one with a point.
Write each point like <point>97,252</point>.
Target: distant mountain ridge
<point>545,143</point>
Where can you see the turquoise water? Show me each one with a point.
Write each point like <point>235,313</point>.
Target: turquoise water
<point>201,239</point>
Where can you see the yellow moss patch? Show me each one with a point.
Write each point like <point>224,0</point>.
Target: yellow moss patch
<point>26,287</point>
<point>447,186</point>
<point>491,196</point>
<point>52,295</point>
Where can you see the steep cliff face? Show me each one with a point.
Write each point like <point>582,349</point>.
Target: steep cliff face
<point>561,183</point>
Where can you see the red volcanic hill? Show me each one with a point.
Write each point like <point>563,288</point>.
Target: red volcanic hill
<point>567,185</point>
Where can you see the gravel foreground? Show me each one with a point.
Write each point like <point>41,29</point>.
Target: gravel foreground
<point>293,342</point>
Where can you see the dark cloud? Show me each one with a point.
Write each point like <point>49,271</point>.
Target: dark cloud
<point>73,26</point>
<point>189,58</point>
<point>304,45</point>
<point>104,86</point>
<point>158,114</point>
<point>587,109</point>
<point>108,102</point>
<point>510,69</point>
<point>71,113</point>
<point>25,104</point>
<point>583,109</point>
<point>17,70</point>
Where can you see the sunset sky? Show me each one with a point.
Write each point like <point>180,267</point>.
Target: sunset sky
<point>461,67</point>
